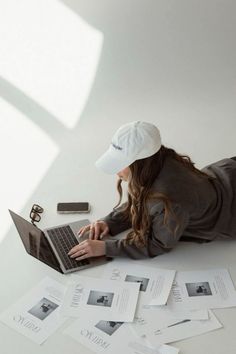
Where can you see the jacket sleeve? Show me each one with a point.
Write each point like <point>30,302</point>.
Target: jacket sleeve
<point>161,237</point>
<point>116,222</point>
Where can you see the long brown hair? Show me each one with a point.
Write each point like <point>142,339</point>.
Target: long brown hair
<point>143,174</point>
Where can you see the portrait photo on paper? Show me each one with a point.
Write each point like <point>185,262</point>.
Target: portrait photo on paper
<point>198,289</point>
<point>100,298</point>
<point>143,281</point>
<point>43,309</point>
<point>109,327</point>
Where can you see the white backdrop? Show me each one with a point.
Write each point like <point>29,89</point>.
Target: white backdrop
<point>72,71</point>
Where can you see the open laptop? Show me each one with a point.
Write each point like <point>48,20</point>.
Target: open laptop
<point>51,245</point>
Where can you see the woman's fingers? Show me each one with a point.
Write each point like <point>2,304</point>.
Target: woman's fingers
<point>84,229</point>
<point>81,257</point>
<point>74,250</point>
<point>91,231</point>
<point>79,253</point>
<point>88,248</point>
<point>78,250</point>
<point>97,230</point>
<point>104,233</point>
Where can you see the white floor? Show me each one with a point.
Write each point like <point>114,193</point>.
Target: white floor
<point>167,62</point>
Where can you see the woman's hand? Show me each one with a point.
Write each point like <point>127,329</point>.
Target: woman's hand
<point>87,249</point>
<point>97,230</point>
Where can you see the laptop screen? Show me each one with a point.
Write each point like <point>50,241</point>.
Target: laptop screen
<point>35,241</point>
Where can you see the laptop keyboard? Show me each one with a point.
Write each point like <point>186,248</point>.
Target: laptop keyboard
<point>63,240</point>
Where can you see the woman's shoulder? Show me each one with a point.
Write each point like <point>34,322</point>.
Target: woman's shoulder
<point>223,163</point>
<point>174,174</point>
<point>181,185</point>
<point>223,169</point>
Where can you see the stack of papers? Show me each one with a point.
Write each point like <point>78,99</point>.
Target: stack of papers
<point>187,310</point>
<point>134,309</point>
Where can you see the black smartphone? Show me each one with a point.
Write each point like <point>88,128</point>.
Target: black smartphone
<point>73,207</point>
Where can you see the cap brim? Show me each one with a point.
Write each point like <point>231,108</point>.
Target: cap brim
<point>112,162</point>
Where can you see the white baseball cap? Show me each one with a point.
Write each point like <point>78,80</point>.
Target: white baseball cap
<point>133,141</point>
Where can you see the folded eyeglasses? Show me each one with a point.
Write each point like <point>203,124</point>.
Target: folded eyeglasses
<point>35,212</point>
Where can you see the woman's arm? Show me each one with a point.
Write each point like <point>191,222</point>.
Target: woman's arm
<point>161,238</point>
<point>116,222</point>
<point>113,224</point>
